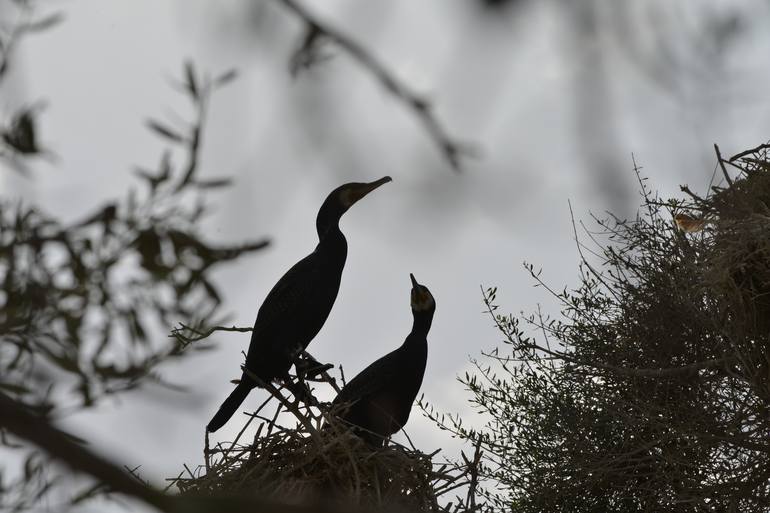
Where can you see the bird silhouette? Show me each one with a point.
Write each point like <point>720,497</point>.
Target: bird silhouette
<point>689,224</point>
<point>298,305</point>
<point>378,400</point>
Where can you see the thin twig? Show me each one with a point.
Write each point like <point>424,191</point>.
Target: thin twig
<point>721,162</point>
<point>206,451</point>
<point>245,426</point>
<point>200,335</point>
<point>283,400</point>
<point>749,152</point>
<point>473,469</point>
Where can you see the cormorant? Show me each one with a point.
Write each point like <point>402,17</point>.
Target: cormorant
<point>379,399</point>
<point>298,305</point>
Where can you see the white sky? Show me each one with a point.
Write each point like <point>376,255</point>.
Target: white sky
<point>506,82</point>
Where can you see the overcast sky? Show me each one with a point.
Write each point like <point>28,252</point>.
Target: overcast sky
<point>557,96</point>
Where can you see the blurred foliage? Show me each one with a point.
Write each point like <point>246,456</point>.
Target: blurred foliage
<point>21,18</point>
<point>79,300</point>
<point>18,134</point>
<point>651,392</point>
<point>314,49</point>
<point>85,306</point>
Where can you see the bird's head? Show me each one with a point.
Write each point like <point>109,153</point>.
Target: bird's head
<point>341,199</point>
<point>422,299</point>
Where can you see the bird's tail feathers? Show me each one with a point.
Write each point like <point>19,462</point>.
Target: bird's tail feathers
<point>230,405</point>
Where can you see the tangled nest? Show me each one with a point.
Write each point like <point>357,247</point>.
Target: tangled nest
<point>735,261</point>
<point>740,257</point>
<point>319,461</point>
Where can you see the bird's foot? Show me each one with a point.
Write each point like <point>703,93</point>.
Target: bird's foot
<point>301,393</point>
<point>310,369</point>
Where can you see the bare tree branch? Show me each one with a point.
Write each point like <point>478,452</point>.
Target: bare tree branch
<point>749,152</point>
<point>178,333</point>
<point>452,149</point>
<point>18,419</point>
<point>36,429</point>
<point>721,163</point>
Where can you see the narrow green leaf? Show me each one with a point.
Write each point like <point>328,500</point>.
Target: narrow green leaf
<point>226,77</point>
<point>190,81</point>
<point>214,183</point>
<point>44,23</point>
<point>164,131</point>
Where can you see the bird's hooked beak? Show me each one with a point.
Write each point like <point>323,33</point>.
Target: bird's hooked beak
<point>414,282</point>
<point>360,190</point>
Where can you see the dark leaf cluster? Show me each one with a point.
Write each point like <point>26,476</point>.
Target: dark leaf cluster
<point>85,306</point>
<point>18,130</point>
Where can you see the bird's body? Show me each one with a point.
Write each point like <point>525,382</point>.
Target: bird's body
<point>298,305</point>
<point>689,224</point>
<point>295,310</point>
<point>378,400</point>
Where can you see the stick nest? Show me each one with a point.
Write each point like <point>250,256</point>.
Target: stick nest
<point>733,257</point>
<point>738,260</point>
<point>319,461</point>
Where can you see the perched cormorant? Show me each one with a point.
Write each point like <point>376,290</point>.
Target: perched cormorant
<point>378,400</point>
<point>298,305</point>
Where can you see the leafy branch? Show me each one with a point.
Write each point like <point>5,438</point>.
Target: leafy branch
<point>649,392</point>
<point>81,303</point>
<point>18,135</point>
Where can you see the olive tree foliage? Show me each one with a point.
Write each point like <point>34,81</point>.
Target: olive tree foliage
<point>85,306</point>
<point>651,391</point>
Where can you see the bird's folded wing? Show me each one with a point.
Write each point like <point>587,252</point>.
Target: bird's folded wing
<point>370,380</point>
<point>290,295</point>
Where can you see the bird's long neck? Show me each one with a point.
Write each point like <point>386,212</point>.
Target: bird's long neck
<point>327,223</point>
<point>414,354</point>
<point>327,227</point>
<point>421,325</point>
<point>332,245</point>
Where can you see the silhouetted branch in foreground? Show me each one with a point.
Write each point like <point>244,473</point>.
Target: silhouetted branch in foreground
<point>19,420</point>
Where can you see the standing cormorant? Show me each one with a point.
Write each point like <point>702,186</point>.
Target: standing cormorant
<point>378,400</point>
<point>298,305</point>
